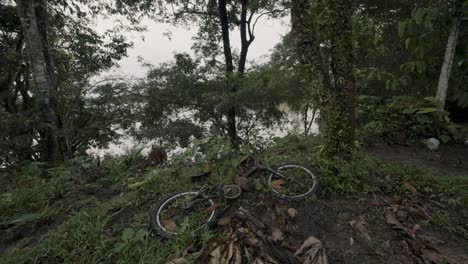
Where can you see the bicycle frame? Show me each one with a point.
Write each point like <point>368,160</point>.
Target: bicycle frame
<point>207,197</point>
<point>257,166</point>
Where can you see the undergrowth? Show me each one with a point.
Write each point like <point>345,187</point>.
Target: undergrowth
<point>104,205</point>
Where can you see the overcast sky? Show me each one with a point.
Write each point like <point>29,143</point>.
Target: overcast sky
<point>155,48</point>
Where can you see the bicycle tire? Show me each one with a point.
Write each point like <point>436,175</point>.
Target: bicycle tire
<point>156,219</point>
<point>313,189</point>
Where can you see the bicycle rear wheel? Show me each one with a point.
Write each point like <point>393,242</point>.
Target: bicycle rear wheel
<point>299,182</point>
<point>172,216</point>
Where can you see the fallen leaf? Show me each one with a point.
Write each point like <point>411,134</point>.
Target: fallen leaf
<point>187,250</point>
<point>211,208</point>
<point>431,240</point>
<point>229,253</point>
<point>252,241</point>
<point>277,235</point>
<point>216,255</point>
<point>360,227</point>
<point>419,212</point>
<point>292,212</point>
<point>312,252</point>
<point>169,213</point>
<point>212,244</point>
<point>224,221</point>
<point>415,229</point>
<point>206,168</point>
<point>392,220</point>
<point>178,261</point>
<point>395,200</point>
<point>409,187</point>
<point>169,225</point>
<point>276,184</point>
<point>238,255</point>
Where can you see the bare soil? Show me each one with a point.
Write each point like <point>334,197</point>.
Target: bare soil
<point>376,229</point>
<point>351,231</point>
<point>451,159</point>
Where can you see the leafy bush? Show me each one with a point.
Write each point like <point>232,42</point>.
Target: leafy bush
<point>401,119</point>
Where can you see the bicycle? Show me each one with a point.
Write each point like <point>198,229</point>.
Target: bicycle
<point>288,181</point>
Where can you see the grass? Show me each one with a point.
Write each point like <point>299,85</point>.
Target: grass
<point>104,206</point>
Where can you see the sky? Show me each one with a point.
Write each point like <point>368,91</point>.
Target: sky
<point>154,47</point>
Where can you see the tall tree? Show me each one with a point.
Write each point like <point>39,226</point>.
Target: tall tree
<point>449,55</point>
<point>339,101</point>
<point>334,65</point>
<point>66,54</point>
<point>216,20</point>
<point>41,71</point>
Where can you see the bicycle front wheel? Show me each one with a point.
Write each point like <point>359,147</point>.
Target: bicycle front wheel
<point>182,211</point>
<point>298,182</point>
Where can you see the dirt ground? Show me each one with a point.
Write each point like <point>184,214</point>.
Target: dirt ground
<point>452,159</point>
<point>377,230</point>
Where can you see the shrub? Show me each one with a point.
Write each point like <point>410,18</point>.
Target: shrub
<point>401,119</point>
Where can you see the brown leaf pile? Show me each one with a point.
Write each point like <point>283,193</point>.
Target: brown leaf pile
<point>404,216</point>
<point>251,241</point>
<point>312,252</point>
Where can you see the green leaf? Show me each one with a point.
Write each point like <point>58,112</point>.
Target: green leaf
<point>401,29</point>
<point>119,248</point>
<point>408,43</point>
<point>445,138</point>
<point>409,111</point>
<point>430,99</point>
<point>447,118</point>
<point>426,110</point>
<point>419,15</point>
<point>412,27</point>
<point>140,235</point>
<point>388,84</point>
<point>234,162</point>
<point>433,13</point>
<point>420,67</point>
<point>419,52</point>
<point>127,234</point>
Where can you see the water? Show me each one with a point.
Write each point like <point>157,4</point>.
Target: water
<point>292,124</point>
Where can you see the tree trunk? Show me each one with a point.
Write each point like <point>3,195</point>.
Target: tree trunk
<point>339,101</point>
<point>448,62</point>
<point>42,16</point>
<point>231,113</point>
<point>307,45</point>
<point>42,80</point>
<point>245,40</point>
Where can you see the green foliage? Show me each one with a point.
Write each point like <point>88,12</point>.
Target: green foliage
<point>183,101</point>
<point>403,119</point>
<point>365,175</point>
<point>134,156</point>
<point>78,53</point>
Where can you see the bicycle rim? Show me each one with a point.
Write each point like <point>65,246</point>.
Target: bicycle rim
<point>300,182</point>
<point>173,203</point>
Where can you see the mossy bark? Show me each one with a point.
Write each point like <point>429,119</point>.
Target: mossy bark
<point>339,101</point>
<point>335,71</point>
